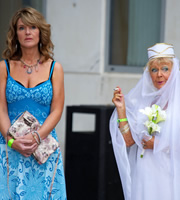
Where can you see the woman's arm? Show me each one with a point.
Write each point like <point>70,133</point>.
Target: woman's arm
<point>119,102</point>
<point>21,145</point>
<point>4,118</point>
<point>57,103</point>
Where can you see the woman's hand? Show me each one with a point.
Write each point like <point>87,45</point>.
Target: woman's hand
<point>148,144</point>
<point>118,99</point>
<point>119,102</point>
<point>25,145</point>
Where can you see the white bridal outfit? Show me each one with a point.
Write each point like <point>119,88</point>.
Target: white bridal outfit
<point>156,176</point>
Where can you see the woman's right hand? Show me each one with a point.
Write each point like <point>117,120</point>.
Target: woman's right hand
<point>24,146</point>
<point>118,99</point>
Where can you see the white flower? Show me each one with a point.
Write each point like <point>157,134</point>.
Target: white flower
<point>148,111</point>
<point>152,127</point>
<point>155,115</point>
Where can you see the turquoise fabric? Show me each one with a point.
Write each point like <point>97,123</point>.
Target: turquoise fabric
<point>27,179</point>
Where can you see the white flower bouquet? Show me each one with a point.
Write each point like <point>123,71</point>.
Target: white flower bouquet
<point>155,115</point>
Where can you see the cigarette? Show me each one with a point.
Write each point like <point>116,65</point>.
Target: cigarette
<point>116,89</point>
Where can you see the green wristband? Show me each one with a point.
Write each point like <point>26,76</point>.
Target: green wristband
<point>10,142</point>
<point>122,120</point>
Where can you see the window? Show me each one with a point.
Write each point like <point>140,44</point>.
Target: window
<point>133,26</point>
<point>38,5</point>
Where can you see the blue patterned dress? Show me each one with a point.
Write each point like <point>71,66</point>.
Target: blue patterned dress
<point>27,179</point>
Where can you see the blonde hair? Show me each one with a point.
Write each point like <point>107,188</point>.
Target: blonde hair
<point>30,17</point>
<point>159,61</point>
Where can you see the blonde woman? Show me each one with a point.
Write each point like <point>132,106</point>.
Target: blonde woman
<point>30,80</point>
<point>146,150</point>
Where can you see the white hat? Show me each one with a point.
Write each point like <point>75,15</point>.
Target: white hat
<point>161,50</point>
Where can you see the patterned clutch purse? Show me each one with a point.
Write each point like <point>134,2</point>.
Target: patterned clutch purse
<point>27,123</point>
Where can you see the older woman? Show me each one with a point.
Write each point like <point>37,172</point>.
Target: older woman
<point>30,80</point>
<point>145,130</point>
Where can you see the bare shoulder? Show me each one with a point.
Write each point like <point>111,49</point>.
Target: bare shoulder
<point>58,73</point>
<point>3,70</point>
<point>58,67</point>
<point>2,64</point>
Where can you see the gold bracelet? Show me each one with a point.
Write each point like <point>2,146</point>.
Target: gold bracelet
<point>124,129</point>
<point>33,134</point>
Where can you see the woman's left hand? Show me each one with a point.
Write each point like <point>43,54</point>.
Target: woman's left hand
<point>30,137</point>
<point>148,144</point>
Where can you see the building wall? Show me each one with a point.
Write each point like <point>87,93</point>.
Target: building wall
<point>78,32</point>
<point>172,24</point>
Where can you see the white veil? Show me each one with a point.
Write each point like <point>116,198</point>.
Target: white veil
<point>145,94</point>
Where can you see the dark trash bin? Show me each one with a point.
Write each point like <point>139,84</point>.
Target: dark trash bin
<point>90,167</point>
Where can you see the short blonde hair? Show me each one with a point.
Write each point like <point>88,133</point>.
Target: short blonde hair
<point>159,61</point>
<point>30,17</point>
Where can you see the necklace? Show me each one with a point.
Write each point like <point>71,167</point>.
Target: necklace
<point>30,67</point>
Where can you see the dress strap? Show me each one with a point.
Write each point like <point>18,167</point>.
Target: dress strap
<point>7,65</point>
<point>52,68</point>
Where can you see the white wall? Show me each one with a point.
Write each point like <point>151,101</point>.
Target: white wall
<point>172,25</point>
<point>78,32</point>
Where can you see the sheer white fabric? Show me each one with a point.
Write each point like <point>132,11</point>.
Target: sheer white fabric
<point>157,175</point>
